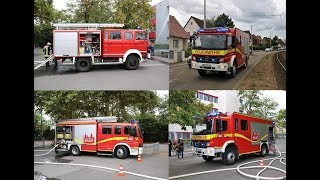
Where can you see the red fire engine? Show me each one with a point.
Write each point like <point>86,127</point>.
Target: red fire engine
<point>231,135</point>
<point>84,45</point>
<point>220,49</point>
<point>103,135</point>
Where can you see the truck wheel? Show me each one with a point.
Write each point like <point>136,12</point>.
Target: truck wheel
<point>83,65</point>
<point>202,72</point>
<point>207,158</point>
<point>264,150</point>
<point>121,152</point>
<point>245,63</point>
<point>75,151</point>
<point>233,70</point>
<point>132,62</point>
<point>229,157</point>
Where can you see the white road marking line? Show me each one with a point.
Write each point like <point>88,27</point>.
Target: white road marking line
<point>101,167</point>
<point>152,65</point>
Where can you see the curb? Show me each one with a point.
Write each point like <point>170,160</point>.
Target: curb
<point>159,60</point>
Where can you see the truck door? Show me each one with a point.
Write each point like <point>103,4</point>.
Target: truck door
<point>244,136</point>
<point>128,41</point>
<point>141,42</point>
<point>115,44</point>
<point>239,50</point>
<point>105,133</point>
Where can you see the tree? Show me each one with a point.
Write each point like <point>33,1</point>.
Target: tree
<point>281,118</point>
<point>134,13</point>
<point>210,22</point>
<point>185,109</point>
<point>224,21</point>
<point>249,101</point>
<point>91,11</point>
<point>254,104</point>
<point>266,108</point>
<point>275,41</point>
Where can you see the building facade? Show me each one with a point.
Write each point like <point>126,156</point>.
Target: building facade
<point>193,25</point>
<point>162,23</point>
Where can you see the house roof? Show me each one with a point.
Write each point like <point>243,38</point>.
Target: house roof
<point>176,30</point>
<point>198,21</point>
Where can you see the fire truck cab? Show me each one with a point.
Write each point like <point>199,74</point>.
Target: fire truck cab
<point>220,49</point>
<point>84,45</point>
<point>103,135</point>
<point>231,135</point>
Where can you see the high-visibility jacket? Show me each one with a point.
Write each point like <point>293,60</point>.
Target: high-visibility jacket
<point>47,50</point>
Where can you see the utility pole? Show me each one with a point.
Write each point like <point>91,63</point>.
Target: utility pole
<point>204,18</point>
<point>270,39</point>
<point>251,40</point>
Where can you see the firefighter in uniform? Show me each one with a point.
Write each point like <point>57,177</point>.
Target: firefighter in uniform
<point>47,50</point>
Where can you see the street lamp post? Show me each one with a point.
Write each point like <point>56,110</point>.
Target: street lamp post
<point>204,18</point>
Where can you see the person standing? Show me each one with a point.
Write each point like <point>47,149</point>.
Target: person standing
<point>170,147</point>
<point>47,50</point>
<point>181,147</point>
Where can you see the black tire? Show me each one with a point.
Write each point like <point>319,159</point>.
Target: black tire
<point>245,63</point>
<point>207,158</point>
<point>75,151</point>
<point>55,66</point>
<point>132,62</point>
<point>264,150</point>
<point>121,152</point>
<point>83,65</point>
<point>234,69</point>
<point>202,72</point>
<point>229,157</point>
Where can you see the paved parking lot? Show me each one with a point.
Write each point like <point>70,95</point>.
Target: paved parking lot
<point>153,166</point>
<point>193,167</point>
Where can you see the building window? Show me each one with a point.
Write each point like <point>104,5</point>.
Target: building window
<point>175,43</point>
<point>106,129</point>
<point>191,23</point>
<point>215,99</point>
<point>205,97</point>
<point>214,110</point>
<point>117,130</point>
<point>244,124</point>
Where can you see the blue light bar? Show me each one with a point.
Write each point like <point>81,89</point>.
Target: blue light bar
<point>222,29</point>
<point>132,121</point>
<point>213,114</point>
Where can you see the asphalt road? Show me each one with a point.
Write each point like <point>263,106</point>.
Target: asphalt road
<point>151,75</point>
<point>154,165</point>
<point>193,164</point>
<point>182,77</point>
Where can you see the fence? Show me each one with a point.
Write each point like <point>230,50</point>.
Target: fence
<point>151,148</point>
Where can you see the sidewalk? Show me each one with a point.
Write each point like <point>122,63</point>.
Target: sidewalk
<point>160,59</point>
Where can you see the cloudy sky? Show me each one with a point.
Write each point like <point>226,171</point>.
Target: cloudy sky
<point>61,4</point>
<point>263,15</point>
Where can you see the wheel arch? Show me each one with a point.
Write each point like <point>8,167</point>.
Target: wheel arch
<point>122,144</point>
<point>132,52</point>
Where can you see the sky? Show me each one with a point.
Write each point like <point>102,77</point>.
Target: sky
<point>61,4</point>
<point>263,15</point>
<point>277,95</point>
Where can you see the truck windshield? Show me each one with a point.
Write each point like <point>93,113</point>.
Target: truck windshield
<point>210,41</point>
<point>208,128</point>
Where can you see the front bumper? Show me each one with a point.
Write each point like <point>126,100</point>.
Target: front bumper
<point>134,151</point>
<point>209,151</point>
<point>210,66</point>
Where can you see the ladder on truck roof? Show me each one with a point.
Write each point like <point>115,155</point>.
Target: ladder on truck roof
<point>38,64</point>
<point>65,26</point>
<point>98,119</point>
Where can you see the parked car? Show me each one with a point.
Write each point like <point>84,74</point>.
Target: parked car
<point>268,49</point>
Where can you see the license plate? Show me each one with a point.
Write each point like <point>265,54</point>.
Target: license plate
<point>206,65</point>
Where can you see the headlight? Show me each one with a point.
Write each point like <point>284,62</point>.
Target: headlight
<point>221,59</point>
<point>193,58</point>
<point>222,67</point>
<point>208,144</point>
